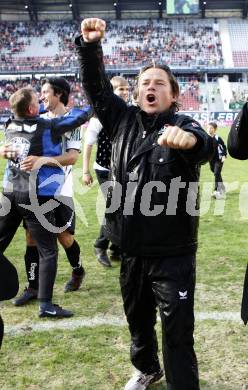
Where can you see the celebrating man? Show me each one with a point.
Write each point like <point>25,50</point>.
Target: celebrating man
<point>156,159</point>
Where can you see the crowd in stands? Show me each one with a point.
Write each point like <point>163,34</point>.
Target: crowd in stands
<point>177,42</point>
<point>7,88</point>
<point>66,33</point>
<point>15,36</point>
<point>131,43</point>
<point>180,43</point>
<point>190,97</point>
<point>30,64</point>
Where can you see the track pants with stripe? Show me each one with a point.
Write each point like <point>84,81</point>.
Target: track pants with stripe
<point>11,215</point>
<point>168,283</point>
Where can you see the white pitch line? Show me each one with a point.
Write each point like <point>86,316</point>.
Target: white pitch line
<point>47,325</point>
<point>218,316</point>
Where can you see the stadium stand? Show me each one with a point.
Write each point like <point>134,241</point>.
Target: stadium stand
<point>189,96</point>
<point>238,35</point>
<point>178,42</point>
<point>132,43</point>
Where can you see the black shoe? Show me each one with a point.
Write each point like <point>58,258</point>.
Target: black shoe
<point>75,282</point>
<point>28,295</point>
<point>102,257</point>
<point>54,311</point>
<point>114,256</point>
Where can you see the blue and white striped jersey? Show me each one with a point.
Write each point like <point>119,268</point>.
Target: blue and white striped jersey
<point>70,140</point>
<point>40,137</point>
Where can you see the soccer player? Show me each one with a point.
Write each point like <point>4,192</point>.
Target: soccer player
<point>30,195</point>
<point>55,93</point>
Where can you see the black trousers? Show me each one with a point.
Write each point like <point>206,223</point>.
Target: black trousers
<point>9,285</point>
<point>168,283</point>
<point>1,331</point>
<point>244,304</point>
<point>101,241</point>
<point>46,241</point>
<point>216,168</point>
<point>63,214</point>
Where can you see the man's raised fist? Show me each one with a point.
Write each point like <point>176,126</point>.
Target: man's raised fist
<point>93,29</point>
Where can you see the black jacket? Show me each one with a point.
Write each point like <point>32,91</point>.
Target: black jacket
<point>144,219</point>
<point>220,149</point>
<point>237,143</point>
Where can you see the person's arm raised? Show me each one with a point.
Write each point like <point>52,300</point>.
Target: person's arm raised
<point>63,124</point>
<point>93,29</point>
<point>108,107</point>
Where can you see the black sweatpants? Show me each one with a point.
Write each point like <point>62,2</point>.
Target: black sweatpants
<point>9,285</point>
<point>1,331</point>
<point>11,215</point>
<point>216,168</point>
<point>244,304</point>
<point>168,283</point>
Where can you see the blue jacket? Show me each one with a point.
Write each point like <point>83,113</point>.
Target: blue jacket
<point>39,137</point>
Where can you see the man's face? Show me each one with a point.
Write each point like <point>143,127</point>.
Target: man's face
<point>48,97</point>
<point>211,130</point>
<point>154,91</point>
<point>122,91</point>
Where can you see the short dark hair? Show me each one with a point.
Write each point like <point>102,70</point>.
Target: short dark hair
<point>60,86</point>
<point>213,124</point>
<point>20,101</point>
<point>172,79</point>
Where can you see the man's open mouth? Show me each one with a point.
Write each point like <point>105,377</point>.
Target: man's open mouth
<point>150,98</point>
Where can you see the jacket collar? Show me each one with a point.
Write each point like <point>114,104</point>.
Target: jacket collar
<point>150,123</point>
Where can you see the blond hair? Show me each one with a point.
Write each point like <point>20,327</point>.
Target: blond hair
<point>20,101</point>
<point>118,81</point>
